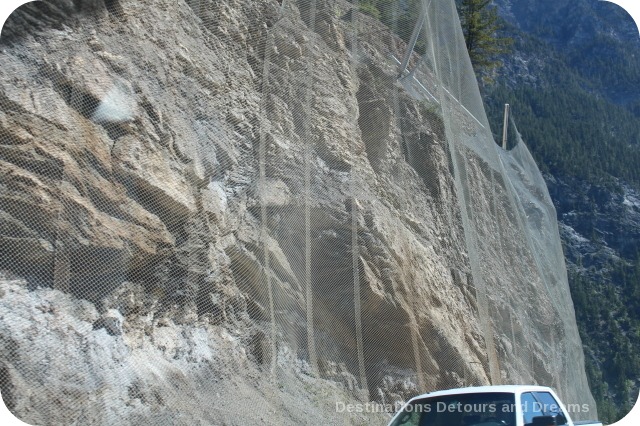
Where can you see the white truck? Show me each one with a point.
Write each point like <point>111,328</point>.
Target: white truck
<point>490,406</point>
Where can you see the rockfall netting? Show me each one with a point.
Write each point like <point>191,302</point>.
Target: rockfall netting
<point>236,212</point>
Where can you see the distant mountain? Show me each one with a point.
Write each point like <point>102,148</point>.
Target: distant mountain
<point>573,81</point>
<point>598,40</point>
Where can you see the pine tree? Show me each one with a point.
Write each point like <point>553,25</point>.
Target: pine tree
<point>480,26</point>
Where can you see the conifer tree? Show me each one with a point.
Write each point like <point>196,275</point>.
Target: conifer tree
<point>480,26</point>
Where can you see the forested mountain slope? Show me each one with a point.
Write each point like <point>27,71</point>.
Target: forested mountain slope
<point>573,82</point>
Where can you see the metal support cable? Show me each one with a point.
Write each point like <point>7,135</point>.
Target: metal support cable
<point>414,39</point>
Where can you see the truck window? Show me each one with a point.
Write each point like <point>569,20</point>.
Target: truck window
<point>536,404</point>
<point>411,418</point>
<point>481,409</point>
<point>549,404</point>
<point>530,408</point>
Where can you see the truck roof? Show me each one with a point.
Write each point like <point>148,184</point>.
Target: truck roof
<point>485,389</point>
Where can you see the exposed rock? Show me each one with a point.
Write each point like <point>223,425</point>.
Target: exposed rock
<point>111,321</point>
<point>176,234</point>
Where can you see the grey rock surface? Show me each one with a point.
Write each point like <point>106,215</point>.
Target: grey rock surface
<point>158,178</point>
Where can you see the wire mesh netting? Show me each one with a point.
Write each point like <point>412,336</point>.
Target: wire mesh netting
<point>262,211</point>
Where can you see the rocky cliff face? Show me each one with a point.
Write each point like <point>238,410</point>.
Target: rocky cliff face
<point>192,190</point>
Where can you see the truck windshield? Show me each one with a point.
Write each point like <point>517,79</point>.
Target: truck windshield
<point>474,409</point>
